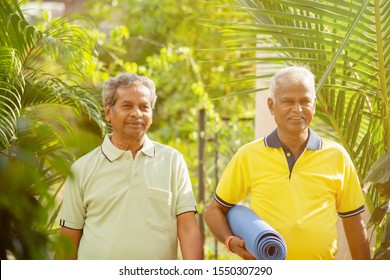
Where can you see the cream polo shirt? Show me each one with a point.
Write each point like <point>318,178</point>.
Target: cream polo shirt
<point>127,207</point>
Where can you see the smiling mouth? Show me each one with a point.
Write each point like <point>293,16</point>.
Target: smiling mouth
<point>296,118</point>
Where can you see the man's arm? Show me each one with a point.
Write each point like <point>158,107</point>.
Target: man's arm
<point>69,244</point>
<point>215,217</point>
<point>189,235</point>
<point>356,233</point>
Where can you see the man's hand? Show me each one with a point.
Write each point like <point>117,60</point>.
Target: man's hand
<point>237,246</point>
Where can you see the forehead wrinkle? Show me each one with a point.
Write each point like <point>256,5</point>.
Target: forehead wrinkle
<point>293,80</point>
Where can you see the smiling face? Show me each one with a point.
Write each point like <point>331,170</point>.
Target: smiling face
<point>131,115</point>
<point>293,105</point>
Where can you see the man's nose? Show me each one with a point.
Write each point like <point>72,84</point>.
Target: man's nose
<point>136,112</point>
<point>297,107</point>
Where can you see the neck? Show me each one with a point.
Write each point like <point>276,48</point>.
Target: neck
<point>295,142</point>
<point>133,145</point>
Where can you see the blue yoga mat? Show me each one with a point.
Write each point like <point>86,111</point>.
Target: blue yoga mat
<point>261,240</point>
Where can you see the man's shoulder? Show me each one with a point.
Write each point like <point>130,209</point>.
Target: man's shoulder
<point>255,144</point>
<point>330,144</point>
<point>86,158</point>
<point>334,147</point>
<point>164,148</point>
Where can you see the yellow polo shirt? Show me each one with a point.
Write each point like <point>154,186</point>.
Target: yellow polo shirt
<point>300,199</point>
<point>127,207</point>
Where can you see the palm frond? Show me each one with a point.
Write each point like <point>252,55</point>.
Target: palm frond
<point>46,66</point>
<point>69,41</point>
<point>346,44</point>
<point>11,93</point>
<point>341,41</point>
<point>56,92</point>
<point>38,69</point>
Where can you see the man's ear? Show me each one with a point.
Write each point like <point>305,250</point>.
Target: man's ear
<point>107,112</point>
<point>270,103</point>
<point>315,105</point>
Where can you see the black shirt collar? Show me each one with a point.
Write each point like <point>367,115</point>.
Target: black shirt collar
<point>314,142</point>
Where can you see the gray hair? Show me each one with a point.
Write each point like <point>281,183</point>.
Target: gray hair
<point>297,73</point>
<point>126,80</point>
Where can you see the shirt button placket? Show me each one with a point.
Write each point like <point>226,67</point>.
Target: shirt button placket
<point>129,171</point>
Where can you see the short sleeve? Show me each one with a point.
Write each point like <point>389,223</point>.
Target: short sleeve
<point>350,199</point>
<point>185,197</point>
<point>72,213</point>
<point>234,184</point>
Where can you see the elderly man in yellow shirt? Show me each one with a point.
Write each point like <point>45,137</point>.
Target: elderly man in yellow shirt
<point>298,182</point>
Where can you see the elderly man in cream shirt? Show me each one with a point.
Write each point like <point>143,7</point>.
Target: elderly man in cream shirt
<point>130,198</point>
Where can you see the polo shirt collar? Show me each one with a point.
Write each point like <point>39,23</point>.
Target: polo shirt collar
<point>112,153</point>
<point>314,142</point>
<point>148,148</point>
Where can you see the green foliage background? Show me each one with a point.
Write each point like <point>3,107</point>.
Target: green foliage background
<point>202,56</point>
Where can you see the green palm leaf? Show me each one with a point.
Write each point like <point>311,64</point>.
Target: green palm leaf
<point>343,42</point>
<point>51,63</point>
<point>11,91</point>
<point>41,72</point>
<point>346,44</point>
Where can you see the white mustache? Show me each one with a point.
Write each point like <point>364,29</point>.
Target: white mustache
<point>134,122</point>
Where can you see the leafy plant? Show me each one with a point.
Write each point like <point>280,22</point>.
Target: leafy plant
<point>345,44</point>
<point>41,73</point>
<point>379,177</point>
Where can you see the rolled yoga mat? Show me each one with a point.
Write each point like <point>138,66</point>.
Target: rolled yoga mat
<point>261,240</point>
